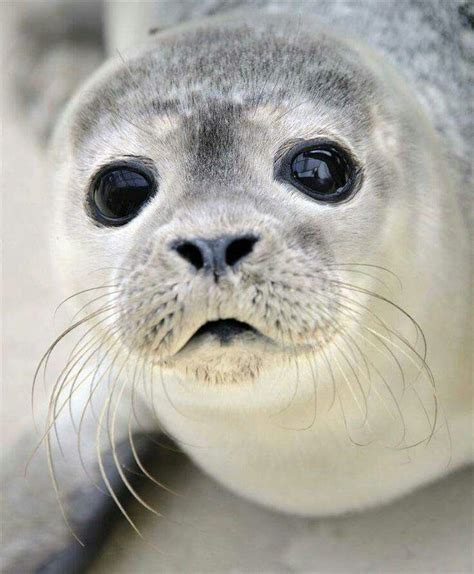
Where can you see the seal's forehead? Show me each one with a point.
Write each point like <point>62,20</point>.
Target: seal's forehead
<point>249,67</point>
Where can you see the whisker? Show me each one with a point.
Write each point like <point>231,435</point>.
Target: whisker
<point>391,353</point>
<point>70,366</point>
<point>52,420</point>
<point>364,411</point>
<point>111,300</point>
<point>89,402</point>
<point>43,363</point>
<point>420,368</point>
<point>103,473</point>
<point>145,357</point>
<point>118,465</point>
<point>54,481</point>
<point>80,293</point>
<point>295,388</point>
<point>364,273</point>
<point>413,321</point>
<point>370,265</point>
<point>142,467</point>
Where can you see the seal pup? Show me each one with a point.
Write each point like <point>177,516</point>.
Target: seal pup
<point>248,218</point>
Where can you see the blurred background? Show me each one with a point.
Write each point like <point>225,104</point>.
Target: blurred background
<point>207,529</point>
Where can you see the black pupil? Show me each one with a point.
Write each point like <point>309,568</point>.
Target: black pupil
<point>120,193</point>
<point>323,171</point>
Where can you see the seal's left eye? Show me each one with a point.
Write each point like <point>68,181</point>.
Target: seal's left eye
<point>119,192</point>
<point>322,170</point>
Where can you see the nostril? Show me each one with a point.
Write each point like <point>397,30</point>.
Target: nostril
<point>191,253</point>
<point>238,249</point>
<point>215,255</point>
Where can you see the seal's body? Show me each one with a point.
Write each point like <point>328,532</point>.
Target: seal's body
<point>216,135</point>
<point>287,280</point>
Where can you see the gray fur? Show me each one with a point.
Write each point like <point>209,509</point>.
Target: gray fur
<point>431,42</point>
<point>231,127</point>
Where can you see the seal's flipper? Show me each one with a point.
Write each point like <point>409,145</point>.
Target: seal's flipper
<point>36,538</point>
<point>93,513</point>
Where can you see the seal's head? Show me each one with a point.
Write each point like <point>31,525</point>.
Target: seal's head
<point>227,177</point>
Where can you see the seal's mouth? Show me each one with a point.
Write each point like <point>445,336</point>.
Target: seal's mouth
<point>224,339</point>
<point>224,330</point>
<point>225,351</point>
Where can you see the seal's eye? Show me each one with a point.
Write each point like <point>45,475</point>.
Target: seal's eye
<point>119,192</point>
<point>321,170</point>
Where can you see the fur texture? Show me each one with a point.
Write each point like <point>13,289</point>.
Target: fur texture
<point>355,377</point>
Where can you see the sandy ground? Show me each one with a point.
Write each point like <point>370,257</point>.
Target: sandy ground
<point>208,529</point>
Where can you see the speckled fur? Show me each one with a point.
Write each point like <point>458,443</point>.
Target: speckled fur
<point>212,106</point>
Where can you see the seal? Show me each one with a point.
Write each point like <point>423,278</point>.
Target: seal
<point>284,254</point>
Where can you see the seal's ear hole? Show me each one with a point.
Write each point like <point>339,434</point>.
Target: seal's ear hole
<point>119,192</point>
<point>321,169</point>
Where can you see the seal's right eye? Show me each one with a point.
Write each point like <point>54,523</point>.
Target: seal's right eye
<point>119,192</point>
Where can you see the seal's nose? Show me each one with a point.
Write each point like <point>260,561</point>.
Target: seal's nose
<point>216,255</point>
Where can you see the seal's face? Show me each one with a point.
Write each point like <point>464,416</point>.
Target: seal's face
<point>222,186</point>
